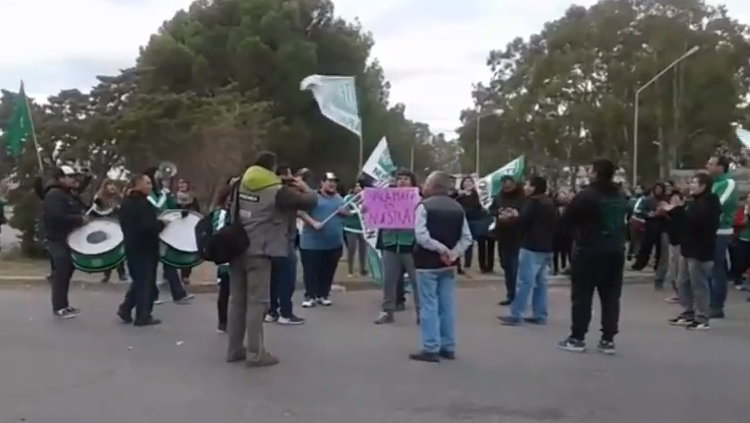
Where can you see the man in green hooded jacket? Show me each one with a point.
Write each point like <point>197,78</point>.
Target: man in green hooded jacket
<point>268,208</point>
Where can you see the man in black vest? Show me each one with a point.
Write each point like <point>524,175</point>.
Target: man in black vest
<point>442,235</point>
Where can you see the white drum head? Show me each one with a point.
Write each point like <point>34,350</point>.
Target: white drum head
<point>180,231</point>
<point>96,237</point>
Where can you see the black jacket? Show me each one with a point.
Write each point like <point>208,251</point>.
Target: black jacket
<point>506,231</point>
<point>700,221</point>
<point>140,225</point>
<point>62,212</point>
<point>472,206</point>
<point>675,227</point>
<point>536,222</point>
<point>596,217</point>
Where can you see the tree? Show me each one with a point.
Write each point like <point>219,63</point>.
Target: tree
<point>567,92</point>
<point>216,84</point>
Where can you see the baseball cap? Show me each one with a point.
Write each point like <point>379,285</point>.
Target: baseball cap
<point>330,176</point>
<point>63,171</point>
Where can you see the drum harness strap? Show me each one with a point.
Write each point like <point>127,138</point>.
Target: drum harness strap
<point>161,200</point>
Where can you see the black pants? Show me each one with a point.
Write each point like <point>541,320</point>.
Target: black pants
<point>222,302</point>
<point>142,291</point>
<point>592,271</point>
<point>740,254</point>
<point>649,243</point>
<point>185,273</point>
<point>120,273</point>
<point>561,253</point>
<point>318,270</point>
<point>485,250</point>
<point>508,255</point>
<point>62,271</point>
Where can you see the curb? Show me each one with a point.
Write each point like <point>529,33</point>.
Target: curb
<point>340,286</point>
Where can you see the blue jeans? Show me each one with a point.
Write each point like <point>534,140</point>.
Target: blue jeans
<point>437,309</point>
<point>283,281</point>
<point>172,276</point>
<point>718,280</point>
<point>532,280</point>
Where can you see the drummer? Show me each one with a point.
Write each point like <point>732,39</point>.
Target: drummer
<point>62,214</point>
<point>185,199</point>
<point>161,198</point>
<point>107,204</point>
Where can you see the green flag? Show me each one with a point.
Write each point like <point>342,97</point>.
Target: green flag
<point>489,186</point>
<point>19,127</point>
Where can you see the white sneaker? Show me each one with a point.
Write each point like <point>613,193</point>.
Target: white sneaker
<point>158,302</point>
<point>325,302</point>
<point>308,303</point>
<point>270,318</point>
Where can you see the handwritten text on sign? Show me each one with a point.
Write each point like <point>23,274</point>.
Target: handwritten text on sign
<point>390,208</point>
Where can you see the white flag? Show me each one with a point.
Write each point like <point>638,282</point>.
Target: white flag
<point>337,98</point>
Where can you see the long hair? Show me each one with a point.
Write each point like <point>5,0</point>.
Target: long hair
<point>103,192</point>
<point>223,193</point>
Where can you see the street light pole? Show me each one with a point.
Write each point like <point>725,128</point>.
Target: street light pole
<point>687,54</point>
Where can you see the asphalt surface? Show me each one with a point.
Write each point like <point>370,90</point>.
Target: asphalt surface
<point>340,368</point>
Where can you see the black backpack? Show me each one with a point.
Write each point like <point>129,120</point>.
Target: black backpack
<point>227,243</point>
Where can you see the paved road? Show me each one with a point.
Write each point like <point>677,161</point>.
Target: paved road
<point>340,368</point>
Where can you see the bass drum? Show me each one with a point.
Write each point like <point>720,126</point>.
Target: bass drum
<point>97,246</point>
<point>178,246</point>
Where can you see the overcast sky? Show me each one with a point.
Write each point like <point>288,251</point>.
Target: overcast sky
<point>432,50</point>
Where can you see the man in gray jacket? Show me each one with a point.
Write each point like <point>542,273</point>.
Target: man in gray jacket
<point>266,206</point>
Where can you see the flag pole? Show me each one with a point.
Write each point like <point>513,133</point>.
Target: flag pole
<point>33,130</point>
<point>361,152</point>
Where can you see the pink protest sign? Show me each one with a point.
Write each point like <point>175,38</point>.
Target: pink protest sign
<point>390,208</point>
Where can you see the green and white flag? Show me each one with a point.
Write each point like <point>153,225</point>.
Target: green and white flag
<point>489,186</point>
<point>379,165</point>
<point>337,98</point>
<point>19,128</point>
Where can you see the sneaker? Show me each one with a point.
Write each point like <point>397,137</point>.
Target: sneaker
<point>125,316</point>
<point>606,347</point>
<point>698,326</point>
<point>184,300</point>
<point>309,303</point>
<point>290,321</point>
<point>104,279</point>
<point>325,302</point>
<point>673,299</point>
<point>266,360</point>
<point>572,345</point>
<point>384,318</point>
<point>64,313</point>
<point>425,356</point>
<point>73,310</point>
<point>158,302</point>
<point>222,328</point>
<point>681,320</point>
<point>271,318</point>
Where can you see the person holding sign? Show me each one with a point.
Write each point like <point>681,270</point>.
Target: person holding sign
<point>396,244</point>
<point>321,242</point>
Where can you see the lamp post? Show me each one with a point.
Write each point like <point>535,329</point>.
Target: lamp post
<point>687,54</point>
<point>496,112</point>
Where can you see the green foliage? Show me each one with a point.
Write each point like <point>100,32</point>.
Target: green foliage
<point>216,84</point>
<point>567,93</point>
